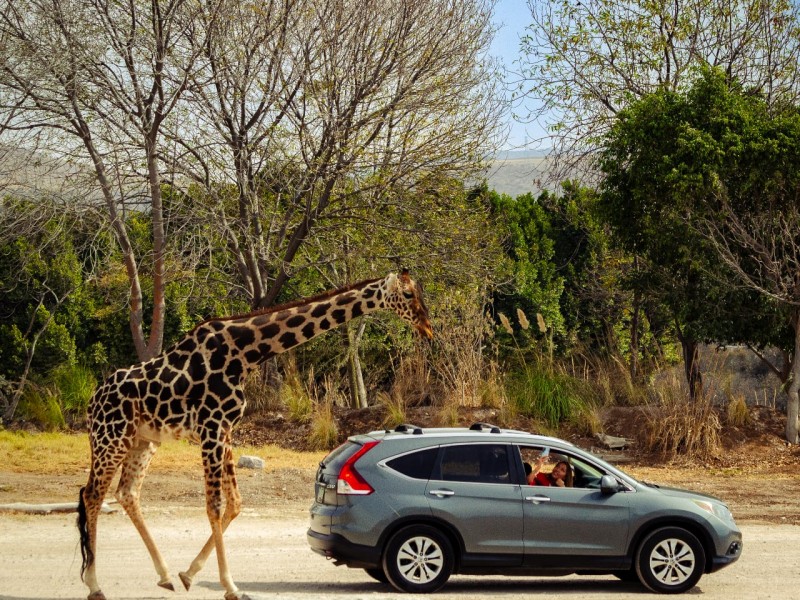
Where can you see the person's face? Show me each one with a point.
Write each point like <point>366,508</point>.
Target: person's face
<point>559,471</point>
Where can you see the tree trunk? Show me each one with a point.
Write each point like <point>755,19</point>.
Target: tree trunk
<point>355,375</point>
<point>691,366</point>
<point>793,389</point>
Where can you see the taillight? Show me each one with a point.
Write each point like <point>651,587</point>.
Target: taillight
<point>350,481</point>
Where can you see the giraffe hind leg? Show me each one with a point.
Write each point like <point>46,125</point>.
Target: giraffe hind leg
<point>134,469</point>
<point>105,462</point>
<point>233,506</point>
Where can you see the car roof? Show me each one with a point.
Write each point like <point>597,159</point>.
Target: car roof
<point>475,432</point>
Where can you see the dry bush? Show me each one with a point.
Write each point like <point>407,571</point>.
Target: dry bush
<point>676,425</point>
<point>737,413</point>
<point>324,432</point>
<point>394,407</point>
<point>459,361</point>
<point>294,395</point>
<point>261,396</point>
<point>413,381</point>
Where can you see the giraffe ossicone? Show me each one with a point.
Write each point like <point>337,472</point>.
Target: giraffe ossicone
<point>193,391</point>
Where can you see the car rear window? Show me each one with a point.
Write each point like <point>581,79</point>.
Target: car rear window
<point>417,465</point>
<point>338,456</point>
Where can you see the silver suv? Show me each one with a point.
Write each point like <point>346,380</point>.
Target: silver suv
<point>413,506</point>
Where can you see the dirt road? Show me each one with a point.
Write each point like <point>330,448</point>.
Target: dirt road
<point>39,559</point>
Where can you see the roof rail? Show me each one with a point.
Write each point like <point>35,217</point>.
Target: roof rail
<point>482,426</point>
<point>406,427</point>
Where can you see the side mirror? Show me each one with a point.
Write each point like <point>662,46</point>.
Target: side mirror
<point>609,485</point>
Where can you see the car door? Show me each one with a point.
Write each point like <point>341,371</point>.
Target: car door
<point>578,524</point>
<point>474,488</point>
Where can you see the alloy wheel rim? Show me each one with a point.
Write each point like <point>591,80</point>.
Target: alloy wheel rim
<point>672,562</point>
<point>420,559</point>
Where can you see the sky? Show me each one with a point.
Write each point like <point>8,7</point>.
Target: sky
<point>511,17</point>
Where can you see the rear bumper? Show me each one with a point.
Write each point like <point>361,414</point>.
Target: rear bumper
<point>342,551</point>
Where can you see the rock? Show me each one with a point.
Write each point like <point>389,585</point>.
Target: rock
<point>250,462</point>
<point>612,442</point>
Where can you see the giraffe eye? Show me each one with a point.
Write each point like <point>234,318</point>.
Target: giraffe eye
<point>408,295</point>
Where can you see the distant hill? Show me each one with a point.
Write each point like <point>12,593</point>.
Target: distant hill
<point>517,173</point>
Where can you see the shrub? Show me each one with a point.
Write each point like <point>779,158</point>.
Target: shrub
<point>676,425</point>
<point>541,392</point>
<point>75,385</point>
<point>324,432</point>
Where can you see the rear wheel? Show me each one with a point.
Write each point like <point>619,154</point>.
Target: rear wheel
<point>418,559</point>
<point>670,560</point>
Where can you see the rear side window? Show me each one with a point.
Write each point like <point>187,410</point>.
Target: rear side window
<point>417,465</point>
<point>481,463</point>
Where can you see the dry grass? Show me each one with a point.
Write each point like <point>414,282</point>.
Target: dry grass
<point>64,453</point>
<point>679,426</point>
<point>324,432</point>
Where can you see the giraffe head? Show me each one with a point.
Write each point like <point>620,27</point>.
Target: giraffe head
<point>404,296</point>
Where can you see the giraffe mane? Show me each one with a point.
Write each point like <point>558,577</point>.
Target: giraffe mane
<point>286,305</point>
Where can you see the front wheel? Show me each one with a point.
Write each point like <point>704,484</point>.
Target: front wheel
<point>418,559</point>
<point>670,560</point>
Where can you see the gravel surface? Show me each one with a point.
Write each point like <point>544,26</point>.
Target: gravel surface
<point>39,558</point>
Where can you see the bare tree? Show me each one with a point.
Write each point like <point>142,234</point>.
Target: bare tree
<point>97,80</point>
<point>763,250</point>
<point>328,114</point>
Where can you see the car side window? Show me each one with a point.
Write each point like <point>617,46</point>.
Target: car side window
<point>417,465</point>
<point>584,474</point>
<point>479,463</point>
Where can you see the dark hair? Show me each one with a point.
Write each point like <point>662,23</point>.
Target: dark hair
<point>528,468</point>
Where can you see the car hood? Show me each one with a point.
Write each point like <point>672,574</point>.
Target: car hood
<point>681,493</point>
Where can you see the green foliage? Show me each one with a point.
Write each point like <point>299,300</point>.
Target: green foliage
<point>670,158</point>
<point>75,385</point>
<point>544,393</point>
<point>41,405</point>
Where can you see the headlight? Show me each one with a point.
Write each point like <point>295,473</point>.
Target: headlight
<point>717,509</point>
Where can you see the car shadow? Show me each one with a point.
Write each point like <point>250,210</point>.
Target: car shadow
<point>468,586</point>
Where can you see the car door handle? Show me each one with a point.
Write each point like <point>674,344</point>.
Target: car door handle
<point>442,493</point>
<point>537,499</point>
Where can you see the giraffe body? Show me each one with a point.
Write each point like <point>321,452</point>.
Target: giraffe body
<point>193,391</point>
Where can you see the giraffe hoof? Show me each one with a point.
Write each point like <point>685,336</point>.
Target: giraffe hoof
<point>167,585</point>
<point>237,595</point>
<point>98,595</point>
<point>186,580</point>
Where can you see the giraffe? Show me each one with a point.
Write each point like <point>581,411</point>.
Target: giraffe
<point>193,391</point>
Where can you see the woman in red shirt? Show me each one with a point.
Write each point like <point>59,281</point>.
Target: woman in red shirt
<point>560,476</point>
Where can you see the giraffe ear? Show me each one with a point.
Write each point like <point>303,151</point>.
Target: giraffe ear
<point>391,281</point>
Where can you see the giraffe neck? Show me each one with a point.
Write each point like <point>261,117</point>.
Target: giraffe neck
<point>282,330</point>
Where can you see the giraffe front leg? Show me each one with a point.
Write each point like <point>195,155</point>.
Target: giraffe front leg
<point>233,506</point>
<point>134,469</point>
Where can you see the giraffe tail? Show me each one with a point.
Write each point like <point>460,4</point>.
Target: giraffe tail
<point>86,550</point>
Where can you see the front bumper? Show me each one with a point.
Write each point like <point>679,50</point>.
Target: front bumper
<point>730,557</point>
<point>343,551</point>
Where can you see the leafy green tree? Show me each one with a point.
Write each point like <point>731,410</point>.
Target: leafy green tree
<point>699,184</point>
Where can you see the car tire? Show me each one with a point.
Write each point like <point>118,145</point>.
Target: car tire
<point>377,574</point>
<point>418,559</point>
<point>670,560</point>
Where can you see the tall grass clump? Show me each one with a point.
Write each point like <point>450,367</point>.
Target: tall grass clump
<point>41,404</point>
<point>394,407</point>
<point>678,426</point>
<point>541,392</point>
<point>295,397</point>
<point>75,385</point>
<point>324,432</point>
